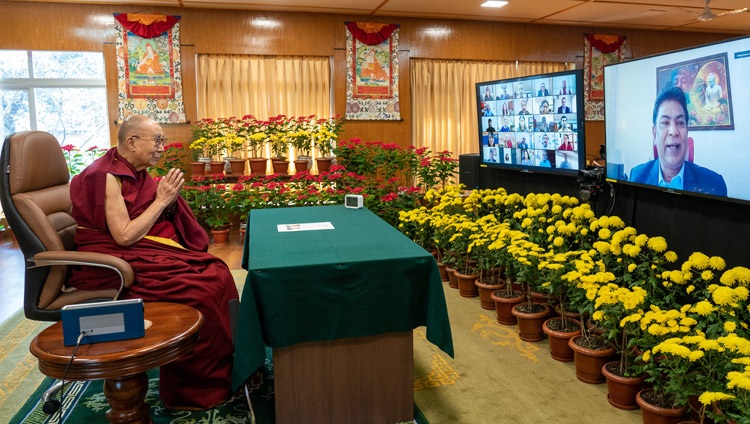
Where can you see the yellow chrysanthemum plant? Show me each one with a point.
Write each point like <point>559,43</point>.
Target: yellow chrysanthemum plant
<point>492,202</point>
<point>415,224</point>
<point>499,249</point>
<point>618,311</point>
<point>526,257</point>
<point>447,200</point>
<point>584,282</point>
<point>443,225</point>
<point>710,370</point>
<point>213,138</point>
<point>461,244</point>
<point>488,262</point>
<point>660,329</point>
<point>254,132</point>
<point>552,266</point>
<point>731,403</point>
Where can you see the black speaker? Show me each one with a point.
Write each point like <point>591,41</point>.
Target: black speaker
<point>468,170</point>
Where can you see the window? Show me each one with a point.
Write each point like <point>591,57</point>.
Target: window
<point>63,93</point>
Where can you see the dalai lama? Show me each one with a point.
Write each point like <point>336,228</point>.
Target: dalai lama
<point>120,210</point>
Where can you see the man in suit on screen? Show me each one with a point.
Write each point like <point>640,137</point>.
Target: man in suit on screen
<point>670,169</point>
<point>563,106</point>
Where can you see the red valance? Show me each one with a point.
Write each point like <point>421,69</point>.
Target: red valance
<point>146,26</point>
<point>371,33</point>
<point>606,43</point>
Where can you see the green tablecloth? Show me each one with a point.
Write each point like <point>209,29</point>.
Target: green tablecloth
<point>359,279</point>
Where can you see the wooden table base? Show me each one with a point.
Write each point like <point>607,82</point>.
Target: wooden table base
<point>126,396</point>
<point>353,380</point>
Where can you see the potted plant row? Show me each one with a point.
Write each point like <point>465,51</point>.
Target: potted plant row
<point>674,333</point>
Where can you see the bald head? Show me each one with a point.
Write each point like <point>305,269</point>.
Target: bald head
<point>140,141</point>
<point>133,125</point>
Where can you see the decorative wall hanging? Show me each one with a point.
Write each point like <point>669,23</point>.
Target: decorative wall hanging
<point>149,76</point>
<point>372,71</point>
<point>599,50</point>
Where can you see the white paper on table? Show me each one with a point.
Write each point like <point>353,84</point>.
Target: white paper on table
<point>309,226</point>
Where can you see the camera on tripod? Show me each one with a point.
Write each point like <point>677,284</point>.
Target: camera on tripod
<point>590,183</point>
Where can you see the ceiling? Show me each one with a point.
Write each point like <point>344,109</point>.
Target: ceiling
<point>666,15</point>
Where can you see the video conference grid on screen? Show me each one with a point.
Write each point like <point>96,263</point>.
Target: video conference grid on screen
<point>530,122</point>
<point>703,151</point>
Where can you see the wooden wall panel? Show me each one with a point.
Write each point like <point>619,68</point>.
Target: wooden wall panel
<point>40,26</point>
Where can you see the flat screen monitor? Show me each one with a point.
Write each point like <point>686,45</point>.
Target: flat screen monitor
<point>680,121</point>
<point>533,123</point>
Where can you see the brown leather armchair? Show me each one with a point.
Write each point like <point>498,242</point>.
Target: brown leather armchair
<point>35,195</point>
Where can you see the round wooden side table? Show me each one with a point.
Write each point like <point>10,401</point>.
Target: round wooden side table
<point>123,363</point>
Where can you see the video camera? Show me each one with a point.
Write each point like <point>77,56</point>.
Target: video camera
<point>590,182</point>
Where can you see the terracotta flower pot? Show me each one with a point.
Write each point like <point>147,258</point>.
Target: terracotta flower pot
<point>220,236</point>
<point>466,286</point>
<point>237,166</point>
<point>589,362</point>
<point>622,390</point>
<point>537,297</point>
<point>216,168</point>
<point>324,164</point>
<point>443,272</point>
<point>530,323</point>
<point>198,168</point>
<point>504,305</point>
<point>258,166</point>
<point>653,414</point>
<point>558,340</point>
<point>280,166</point>
<point>485,293</point>
<point>452,280</point>
<point>301,165</point>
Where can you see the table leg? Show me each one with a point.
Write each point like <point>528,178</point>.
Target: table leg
<point>126,396</point>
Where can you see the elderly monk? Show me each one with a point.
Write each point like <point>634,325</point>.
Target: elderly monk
<point>120,210</point>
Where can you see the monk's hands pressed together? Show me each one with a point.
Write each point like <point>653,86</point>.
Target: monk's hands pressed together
<point>169,186</point>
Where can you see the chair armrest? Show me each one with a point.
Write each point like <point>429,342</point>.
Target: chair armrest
<point>71,257</point>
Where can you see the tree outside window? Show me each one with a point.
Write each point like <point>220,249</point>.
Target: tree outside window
<point>63,93</point>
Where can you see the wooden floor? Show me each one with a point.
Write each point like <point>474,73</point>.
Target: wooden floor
<point>12,270</point>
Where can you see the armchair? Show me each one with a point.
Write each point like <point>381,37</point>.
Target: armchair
<point>35,196</point>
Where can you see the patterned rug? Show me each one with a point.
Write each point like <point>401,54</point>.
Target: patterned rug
<point>84,402</point>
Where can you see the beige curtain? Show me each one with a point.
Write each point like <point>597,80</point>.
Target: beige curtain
<point>444,105</point>
<point>263,86</point>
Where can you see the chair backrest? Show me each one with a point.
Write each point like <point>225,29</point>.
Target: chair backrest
<point>35,196</point>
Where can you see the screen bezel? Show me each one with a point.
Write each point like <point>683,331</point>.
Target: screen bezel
<point>578,106</point>
<point>612,175</point>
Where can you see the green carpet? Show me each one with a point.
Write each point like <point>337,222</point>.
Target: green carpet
<point>85,402</point>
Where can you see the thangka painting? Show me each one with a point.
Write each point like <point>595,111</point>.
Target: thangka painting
<point>705,82</point>
<point>149,67</point>
<point>599,50</point>
<point>372,71</point>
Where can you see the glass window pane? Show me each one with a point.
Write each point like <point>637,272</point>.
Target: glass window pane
<point>76,116</point>
<point>82,65</point>
<point>14,64</point>
<point>14,112</point>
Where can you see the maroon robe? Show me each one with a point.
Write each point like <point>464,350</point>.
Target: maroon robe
<point>191,276</point>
